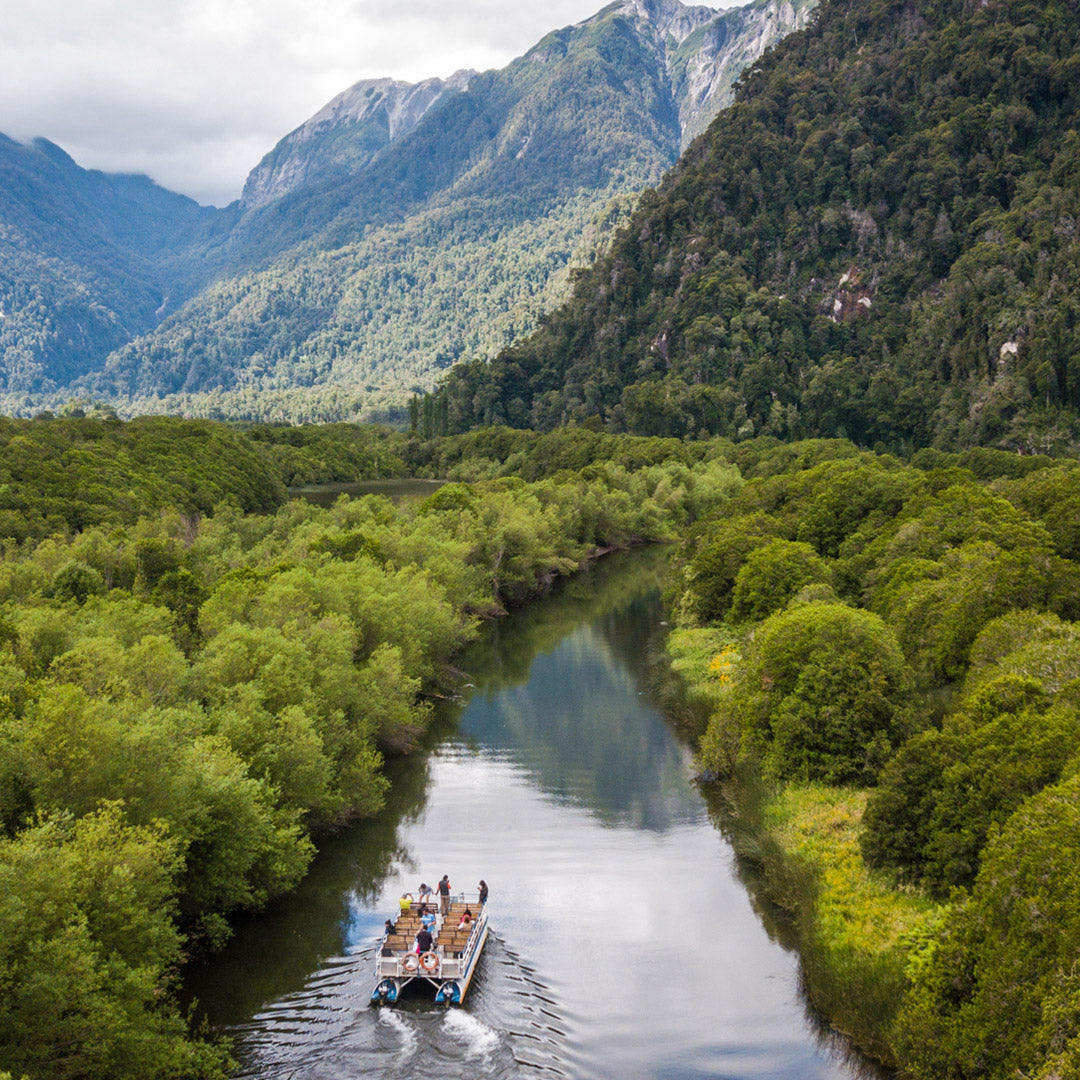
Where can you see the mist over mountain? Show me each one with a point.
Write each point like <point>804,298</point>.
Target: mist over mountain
<point>401,229</point>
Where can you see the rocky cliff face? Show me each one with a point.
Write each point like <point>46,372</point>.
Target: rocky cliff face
<point>707,62</point>
<point>698,53</point>
<point>345,134</point>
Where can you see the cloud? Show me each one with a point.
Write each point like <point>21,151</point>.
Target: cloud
<point>194,92</point>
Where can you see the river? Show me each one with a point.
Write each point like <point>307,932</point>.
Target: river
<point>628,941</point>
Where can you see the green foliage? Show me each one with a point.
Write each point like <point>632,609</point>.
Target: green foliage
<point>227,686</point>
<point>969,583</point>
<point>842,253</point>
<point>78,582</point>
<point>820,694</point>
<point>87,941</point>
<point>71,474</point>
<point>999,994</point>
<point>1052,497</point>
<point>359,266</point>
<point>709,575</point>
<point>945,792</point>
<point>86,260</point>
<point>771,576</point>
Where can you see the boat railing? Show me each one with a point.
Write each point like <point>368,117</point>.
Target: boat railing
<point>453,956</point>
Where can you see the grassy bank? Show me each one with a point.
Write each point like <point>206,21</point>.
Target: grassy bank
<point>891,656</point>
<point>859,936</point>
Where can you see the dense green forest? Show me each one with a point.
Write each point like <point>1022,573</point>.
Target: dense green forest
<point>201,678</point>
<point>891,649</point>
<point>87,261</point>
<point>190,694</point>
<point>875,241</point>
<point>379,252</point>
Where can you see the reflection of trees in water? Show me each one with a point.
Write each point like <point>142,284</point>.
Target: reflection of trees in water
<point>504,655</point>
<point>561,688</point>
<point>735,810</point>
<point>572,733</point>
<point>306,927</point>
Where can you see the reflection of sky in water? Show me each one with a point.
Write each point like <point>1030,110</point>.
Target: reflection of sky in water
<point>646,939</point>
<point>564,789</point>
<point>585,733</point>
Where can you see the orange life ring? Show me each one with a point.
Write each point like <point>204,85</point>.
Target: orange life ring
<point>429,962</point>
<point>410,962</point>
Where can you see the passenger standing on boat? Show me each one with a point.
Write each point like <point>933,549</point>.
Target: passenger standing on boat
<point>483,892</point>
<point>423,940</point>
<point>427,919</point>
<point>425,893</point>
<point>444,895</point>
<point>405,902</point>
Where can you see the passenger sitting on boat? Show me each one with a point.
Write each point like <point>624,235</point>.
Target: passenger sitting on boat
<point>389,928</point>
<point>405,902</point>
<point>428,919</point>
<point>423,940</point>
<point>386,949</point>
<point>483,892</point>
<point>466,919</point>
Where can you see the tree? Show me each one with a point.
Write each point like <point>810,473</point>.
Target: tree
<point>821,694</point>
<point>771,576</point>
<point>997,996</point>
<point>947,791</point>
<point>721,549</point>
<point>87,941</point>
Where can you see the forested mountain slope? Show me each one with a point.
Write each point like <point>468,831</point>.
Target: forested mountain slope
<point>382,243</point>
<point>878,239</point>
<point>405,227</point>
<point>87,260</point>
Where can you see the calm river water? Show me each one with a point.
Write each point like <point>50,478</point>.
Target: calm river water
<point>627,941</point>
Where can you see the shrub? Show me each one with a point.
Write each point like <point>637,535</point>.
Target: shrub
<point>821,694</point>
<point>1000,993</point>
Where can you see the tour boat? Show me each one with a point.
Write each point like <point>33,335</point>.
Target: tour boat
<point>449,965</point>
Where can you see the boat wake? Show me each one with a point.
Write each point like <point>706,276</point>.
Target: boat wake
<point>405,1032</point>
<point>478,1040</point>
<point>536,1032</point>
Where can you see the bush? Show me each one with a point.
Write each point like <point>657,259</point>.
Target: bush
<point>1000,994</point>
<point>821,694</point>
<point>944,792</point>
<point>711,571</point>
<point>771,576</point>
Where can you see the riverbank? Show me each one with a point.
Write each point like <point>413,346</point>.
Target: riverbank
<point>198,700</point>
<point>559,777</point>
<point>891,656</point>
<point>858,936</point>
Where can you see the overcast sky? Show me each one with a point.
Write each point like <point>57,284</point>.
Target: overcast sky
<point>194,92</point>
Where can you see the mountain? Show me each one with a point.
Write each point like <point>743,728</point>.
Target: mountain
<point>87,261</point>
<point>878,239</point>
<point>408,226</point>
<point>345,135</point>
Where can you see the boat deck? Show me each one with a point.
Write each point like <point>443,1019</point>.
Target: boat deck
<point>448,965</point>
<point>447,937</point>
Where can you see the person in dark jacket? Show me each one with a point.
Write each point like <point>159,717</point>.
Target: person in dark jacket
<point>443,889</point>
<point>483,891</point>
<point>423,940</point>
